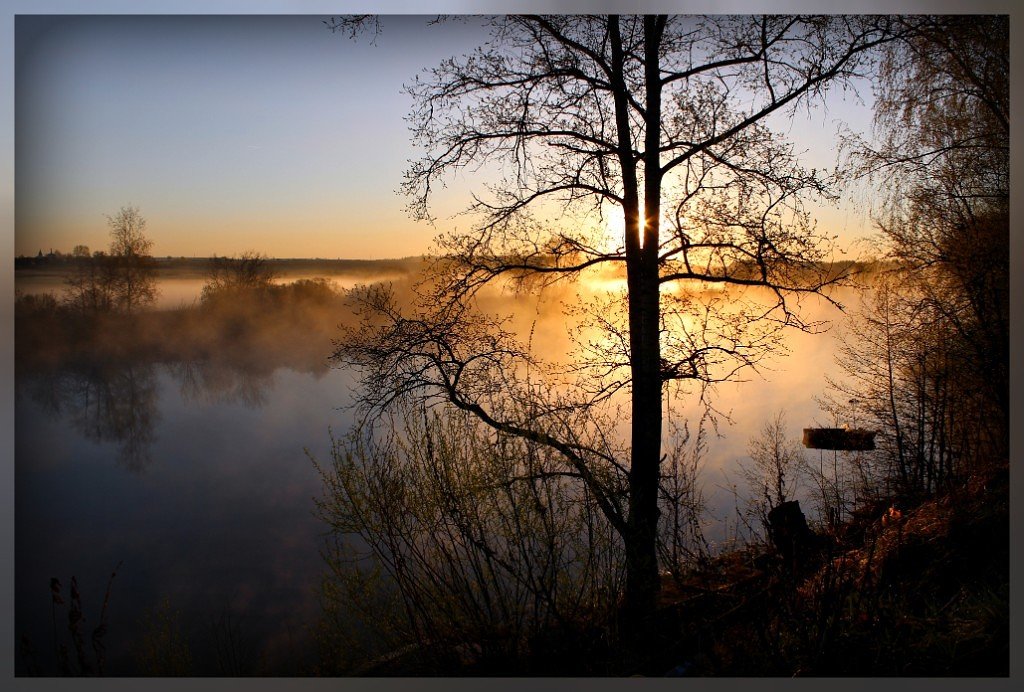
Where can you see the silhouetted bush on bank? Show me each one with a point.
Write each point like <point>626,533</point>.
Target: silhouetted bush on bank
<point>450,550</point>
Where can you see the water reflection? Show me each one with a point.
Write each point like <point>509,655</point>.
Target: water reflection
<point>117,402</point>
<point>176,445</point>
<point>207,382</point>
<point>194,475</point>
<point>105,403</point>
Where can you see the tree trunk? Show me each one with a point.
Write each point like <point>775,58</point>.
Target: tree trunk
<point>642,581</point>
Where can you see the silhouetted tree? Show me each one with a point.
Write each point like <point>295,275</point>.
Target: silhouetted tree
<point>661,119</point>
<point>940,330</point>
<point>901,374</point>
<point>250,271</point>
<point>91,288</point>
<point>121,280</point>
<point>773,475</point>
<point>134,284</point>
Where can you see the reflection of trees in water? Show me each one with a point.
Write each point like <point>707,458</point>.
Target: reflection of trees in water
<point>118,402</point>
<point>217,383</point>
<point>106,403</point>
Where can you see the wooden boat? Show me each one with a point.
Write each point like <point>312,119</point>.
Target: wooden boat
<point>841,439</point>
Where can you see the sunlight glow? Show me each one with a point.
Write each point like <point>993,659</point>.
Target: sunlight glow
<point>614,228</point>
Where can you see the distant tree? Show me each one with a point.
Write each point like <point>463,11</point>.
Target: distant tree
<point>127,233</point>
<point>134,283</point>
<point>250,271</point>
<point>664,120</point>
<point>91,288</point>
<point>80,252</point>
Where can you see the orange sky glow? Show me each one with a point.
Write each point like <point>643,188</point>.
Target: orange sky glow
<point>255,133</point>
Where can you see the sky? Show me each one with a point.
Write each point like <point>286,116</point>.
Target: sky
<point>228,133</point>
<point>259,132</point>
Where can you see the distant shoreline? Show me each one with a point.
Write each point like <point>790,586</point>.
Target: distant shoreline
<point>200,266</point>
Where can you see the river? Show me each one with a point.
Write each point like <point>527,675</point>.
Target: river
<point>196,483</point>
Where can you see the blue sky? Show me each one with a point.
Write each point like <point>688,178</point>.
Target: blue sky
<point>227,132</point>
<point>252,132</point>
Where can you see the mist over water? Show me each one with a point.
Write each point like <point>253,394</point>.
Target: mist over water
<point>183,289</point>
<point>193,473</point>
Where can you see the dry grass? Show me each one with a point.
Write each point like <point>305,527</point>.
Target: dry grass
<point>924,595</point>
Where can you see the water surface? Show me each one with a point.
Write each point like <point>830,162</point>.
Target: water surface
<point>195,479</point>
<point>203,497</point>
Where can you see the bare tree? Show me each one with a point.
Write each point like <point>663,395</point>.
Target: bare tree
<point>134,285</point>
<point>659,119</point>
<point>773,477</point>
<point>941,326</point>
<point>249,271</point>
<point>91,286</point>
<point>910,376</point>
<point>127,233</point>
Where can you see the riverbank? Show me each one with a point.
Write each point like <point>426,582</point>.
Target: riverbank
<point>922,592</point>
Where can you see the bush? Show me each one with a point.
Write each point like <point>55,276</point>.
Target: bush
<point>457,549</point>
